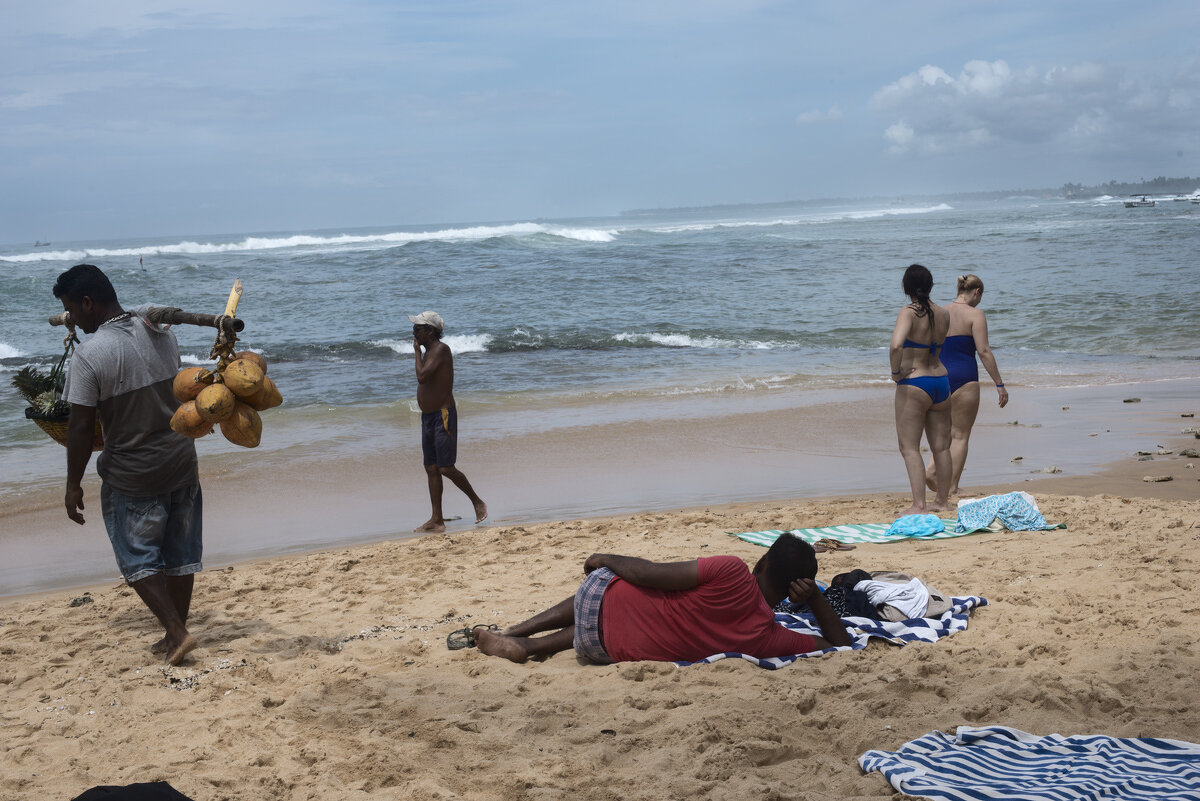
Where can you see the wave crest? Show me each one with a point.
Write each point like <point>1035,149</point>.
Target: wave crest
<point>390,239</point>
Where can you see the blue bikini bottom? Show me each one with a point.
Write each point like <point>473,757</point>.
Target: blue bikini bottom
<point>937,387</point>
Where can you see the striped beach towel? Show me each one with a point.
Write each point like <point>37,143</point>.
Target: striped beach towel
<point>994,762</point>
<point>853,534</point>
<point>862,630</point>
<point>856,533</point>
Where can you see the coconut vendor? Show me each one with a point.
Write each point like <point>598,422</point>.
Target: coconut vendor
<point>150,486</point>
<point>439,418</point>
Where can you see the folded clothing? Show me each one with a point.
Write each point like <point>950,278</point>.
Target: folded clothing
<point>1016,511</point>
<point>910,598</point>
<point>916,526</point>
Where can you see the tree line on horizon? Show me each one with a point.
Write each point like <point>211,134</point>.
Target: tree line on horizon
<point>1156,186</point>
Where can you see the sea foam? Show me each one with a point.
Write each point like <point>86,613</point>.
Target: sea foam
<point>458,343</point>
<point>389,239</point>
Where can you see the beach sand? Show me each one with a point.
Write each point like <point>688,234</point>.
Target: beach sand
<point>326,675</point>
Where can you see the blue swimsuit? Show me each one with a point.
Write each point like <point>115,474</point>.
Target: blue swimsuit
<point>937,387</point>
<point>958,355</point>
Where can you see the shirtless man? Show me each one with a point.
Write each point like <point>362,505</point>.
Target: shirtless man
<point>439,419</point>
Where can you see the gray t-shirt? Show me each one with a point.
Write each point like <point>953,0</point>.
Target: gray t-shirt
<point>125,371</point>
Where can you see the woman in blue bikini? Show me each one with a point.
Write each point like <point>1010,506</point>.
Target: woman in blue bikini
<point>922,388</point>
<point>967,336</point>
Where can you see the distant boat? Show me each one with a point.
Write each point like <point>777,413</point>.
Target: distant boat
<point>1141,202</point>
<point>41,244</point>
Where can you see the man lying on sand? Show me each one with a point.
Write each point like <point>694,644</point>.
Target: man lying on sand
<point>630,609</point>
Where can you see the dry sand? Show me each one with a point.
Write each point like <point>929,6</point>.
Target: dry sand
<point>327,677</point>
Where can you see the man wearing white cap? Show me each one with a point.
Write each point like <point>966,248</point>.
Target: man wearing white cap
<point>439,419</point>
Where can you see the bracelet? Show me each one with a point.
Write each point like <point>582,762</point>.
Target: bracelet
<point>999,386</point>
<point>895,372</point>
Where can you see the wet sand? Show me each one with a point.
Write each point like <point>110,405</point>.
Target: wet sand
<point>680,453</point>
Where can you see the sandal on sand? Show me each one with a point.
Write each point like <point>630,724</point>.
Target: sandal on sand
<point>465,638</point>
<point>822,545</point>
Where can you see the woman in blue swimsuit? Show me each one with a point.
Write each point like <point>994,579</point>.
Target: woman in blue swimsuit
<point>922,388</point>
<point>967,336</point>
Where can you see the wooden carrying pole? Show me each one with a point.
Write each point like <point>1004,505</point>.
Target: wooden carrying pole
<point>171,315</point>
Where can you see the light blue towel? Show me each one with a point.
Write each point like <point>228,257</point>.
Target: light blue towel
<point>916,526</point>
<point>1013,509</point>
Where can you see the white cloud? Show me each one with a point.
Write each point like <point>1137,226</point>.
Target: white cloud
<point>816,116</point>
<point>900,134</point>
<point>989,103</point>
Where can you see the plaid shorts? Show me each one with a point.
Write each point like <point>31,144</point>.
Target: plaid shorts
<point>589,642</point>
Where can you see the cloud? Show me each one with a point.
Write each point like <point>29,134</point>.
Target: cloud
<point>815,116</point>
<point>989,103</point>
<point>900,135</point>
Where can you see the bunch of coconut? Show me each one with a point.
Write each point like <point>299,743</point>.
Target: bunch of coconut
<point>231,397</point>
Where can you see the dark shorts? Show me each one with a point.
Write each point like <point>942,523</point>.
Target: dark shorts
<point>154,534</point>
<point>439,437</point>
<point>589,638</point>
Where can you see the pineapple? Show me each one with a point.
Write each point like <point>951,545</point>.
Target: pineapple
<point>42,391</point>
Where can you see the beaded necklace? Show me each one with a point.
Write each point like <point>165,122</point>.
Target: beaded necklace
<point>117,318</point>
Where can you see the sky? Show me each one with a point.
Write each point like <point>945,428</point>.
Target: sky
<point>152,118</point>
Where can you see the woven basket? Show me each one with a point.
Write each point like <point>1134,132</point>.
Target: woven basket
<point>57,429</point>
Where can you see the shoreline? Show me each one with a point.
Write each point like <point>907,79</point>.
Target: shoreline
<point>295,501</point>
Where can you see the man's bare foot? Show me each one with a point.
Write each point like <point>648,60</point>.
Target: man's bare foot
<point>431,526</point>
<point>159,647</point>
<point>939,506</point>
<point>480,512</point>
<point>931,482</point>
<point>176,654</point>
<point>493,643</point>
<point>913,510</point>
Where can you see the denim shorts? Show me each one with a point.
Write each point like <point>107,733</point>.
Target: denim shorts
<point>154,534</point>
<point>589,637</point>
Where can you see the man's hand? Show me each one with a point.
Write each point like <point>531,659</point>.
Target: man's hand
<point>594,562</point>
<point>416,347</point>
<point>74,503</point>
<point>801,590</point>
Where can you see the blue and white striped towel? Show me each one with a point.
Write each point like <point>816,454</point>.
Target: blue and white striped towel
<point>862,629</point>
<point>996,762</point>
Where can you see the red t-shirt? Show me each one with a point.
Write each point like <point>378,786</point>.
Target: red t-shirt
<point>725,612</point>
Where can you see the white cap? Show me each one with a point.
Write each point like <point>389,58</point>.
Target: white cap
<point>428,318</point>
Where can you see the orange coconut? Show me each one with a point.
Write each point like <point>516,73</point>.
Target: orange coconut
<point>251,356</point>
<point>188,383</point>
<point>242,377</point>
<point>243,427</point>
<point>215,403</point>
<point>188,422</point>
<point>267,396</point>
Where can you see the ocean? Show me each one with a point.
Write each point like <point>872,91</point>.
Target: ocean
<point>561,322</point>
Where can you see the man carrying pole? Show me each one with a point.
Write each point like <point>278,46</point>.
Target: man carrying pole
<point>150,489</point>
